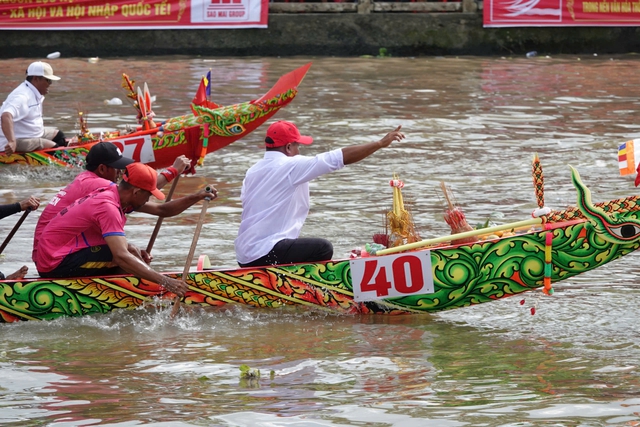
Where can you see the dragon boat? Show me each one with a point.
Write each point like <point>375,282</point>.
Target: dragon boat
<point>209,127</point>
<point>452,271</point>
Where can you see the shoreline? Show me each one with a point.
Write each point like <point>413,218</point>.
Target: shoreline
<point>337,34</point>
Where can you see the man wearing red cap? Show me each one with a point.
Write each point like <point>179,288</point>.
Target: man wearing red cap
<point>275,197</point>
<point>87,237</point>
<point>104,164</point>
<point>21,125</point>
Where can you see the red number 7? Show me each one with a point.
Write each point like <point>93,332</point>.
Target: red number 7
<point>137,151</point>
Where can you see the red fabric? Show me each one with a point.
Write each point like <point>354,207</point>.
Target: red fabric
<point>193,135</point>
<point>201,94</point>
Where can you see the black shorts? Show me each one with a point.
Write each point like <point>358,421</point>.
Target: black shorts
<point>93,261</point>
<point>289,251</point>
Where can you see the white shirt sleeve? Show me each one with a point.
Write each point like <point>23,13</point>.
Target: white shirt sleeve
<point>308,168</point>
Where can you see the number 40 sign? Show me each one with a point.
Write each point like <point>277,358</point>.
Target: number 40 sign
<point>391,276</point>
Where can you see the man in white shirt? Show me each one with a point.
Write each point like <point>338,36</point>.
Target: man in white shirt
<point>275,197</point>
<point>21,125</point>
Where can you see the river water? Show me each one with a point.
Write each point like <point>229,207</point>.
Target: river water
<point>474,123</point>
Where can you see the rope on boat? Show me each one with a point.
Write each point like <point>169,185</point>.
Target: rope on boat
<point>205,144</point>
<point>538,180</point>
<point>538,185</point>
<point>548,265</point>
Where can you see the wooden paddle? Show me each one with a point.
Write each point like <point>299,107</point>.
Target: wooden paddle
<point>156,230</point>
<point>194,242</point>
<point>488,230</point>
<point>15,228</point>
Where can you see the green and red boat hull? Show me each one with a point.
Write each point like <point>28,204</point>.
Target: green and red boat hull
<point>462,275</point>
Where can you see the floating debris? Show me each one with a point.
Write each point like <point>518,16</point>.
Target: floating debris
<point>113,101</point>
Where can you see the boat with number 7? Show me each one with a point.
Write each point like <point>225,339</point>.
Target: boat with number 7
<point>209,127</point>
<point>419,277</point>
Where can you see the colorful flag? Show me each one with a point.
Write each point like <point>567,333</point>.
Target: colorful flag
<point>628,158</point>
<point>207,84</point>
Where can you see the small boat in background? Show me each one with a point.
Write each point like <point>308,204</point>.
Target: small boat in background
<point>209,127</point>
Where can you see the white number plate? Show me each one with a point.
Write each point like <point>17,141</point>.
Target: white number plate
<point>138,148</point>
<point>392,276</point>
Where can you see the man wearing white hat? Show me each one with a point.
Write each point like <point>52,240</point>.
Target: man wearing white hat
<point>21,125</point>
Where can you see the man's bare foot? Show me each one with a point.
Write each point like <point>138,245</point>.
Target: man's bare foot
<point>18,274</point>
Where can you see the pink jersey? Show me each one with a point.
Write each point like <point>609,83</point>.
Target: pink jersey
<point>84,223</point>
<point>83,184</point>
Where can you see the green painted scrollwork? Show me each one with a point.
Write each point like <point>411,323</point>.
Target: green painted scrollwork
<point>230,120</point>
<point>47,300</point>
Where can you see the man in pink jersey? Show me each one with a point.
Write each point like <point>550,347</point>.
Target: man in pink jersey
<point>104,163</point>
<point>87,237</point>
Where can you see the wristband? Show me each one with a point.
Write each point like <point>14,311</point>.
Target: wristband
<point>170,173</point>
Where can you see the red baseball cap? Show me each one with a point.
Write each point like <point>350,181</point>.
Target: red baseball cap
<point>282,133</point>
<point>144,177</point>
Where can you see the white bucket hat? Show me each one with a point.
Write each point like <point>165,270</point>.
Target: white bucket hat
<point>41,69</point>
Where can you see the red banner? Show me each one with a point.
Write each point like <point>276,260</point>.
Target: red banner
<point>556,13</point>
<point>132,15</point>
